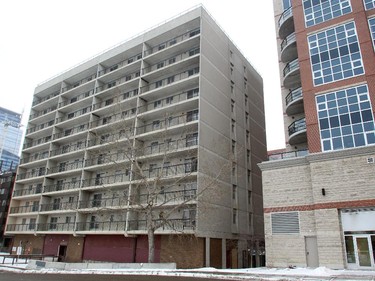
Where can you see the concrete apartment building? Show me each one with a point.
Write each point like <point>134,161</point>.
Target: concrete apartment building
<point>10,139</point>
<point>319,196</point>
<point>189,106</point>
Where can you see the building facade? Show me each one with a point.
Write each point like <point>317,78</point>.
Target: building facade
<point>170,121</point>
<point>319,199</point>
<point>10,139</point>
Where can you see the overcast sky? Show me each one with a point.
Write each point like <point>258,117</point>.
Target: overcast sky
<point>42,38</point>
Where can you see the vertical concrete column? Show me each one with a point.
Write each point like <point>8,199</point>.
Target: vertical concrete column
<point>223,253</point>
<point>208,251</point>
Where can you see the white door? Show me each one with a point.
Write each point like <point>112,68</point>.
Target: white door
<point>312,257</point>
<point>360,251</point>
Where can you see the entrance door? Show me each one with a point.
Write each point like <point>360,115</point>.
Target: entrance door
<point>62,252</point>
<point>360,250</point>
<point>312,258</point>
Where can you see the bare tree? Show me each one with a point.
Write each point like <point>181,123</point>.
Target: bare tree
<point>158,187</point>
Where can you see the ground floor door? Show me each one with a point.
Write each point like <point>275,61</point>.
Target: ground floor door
<point>311,245</point>
<point>360,250</point>
<point>62,252</point>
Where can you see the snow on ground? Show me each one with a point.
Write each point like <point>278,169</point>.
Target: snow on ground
<point>209,272</point>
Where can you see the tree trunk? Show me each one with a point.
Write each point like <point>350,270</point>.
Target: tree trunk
<point>150,236</point>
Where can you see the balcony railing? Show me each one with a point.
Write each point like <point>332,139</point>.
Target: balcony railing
<point>172,41</point>
<point>171,60</point>
<point>121,97</point>
<point>63,167</point>
<point>21,227</point>
<point>114,118</point>
<point>297,126</point>
<point>37,142</point>
<point>104,203</point>
<point>290,67</point>
<point>168,171</point>
<point>78,83</point>
<point>289,39</point>
<point>288,155</point>
<point>35,157</point>
<point>172,225</point>
<point>55,226</point>
<point>27,191</point>
<point>68,148</point>
<point>293,95</point>
<point>169,122</point>
<point>74,114</point>
<point>285,15</point>
<point>31,174</point>
<point>101,226</point>
<point>170,80</point>
<point>24,209</point>
<point>71,131</point>
<point>108,138</point>
<point>59,206</point>
<point>62,186</point>
<point>76,98</point>
<point>43,112</point>
<point>169,100</point>
<point>117,82</point>
<point>120,64</point>
<point>40,127</point>
<point>170,146</point>
<point>112,179</point>
<point>40,100</point>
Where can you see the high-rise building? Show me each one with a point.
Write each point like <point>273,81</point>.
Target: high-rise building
<point>319,196</point>
<point>172,119</point>
<point>10,139</point>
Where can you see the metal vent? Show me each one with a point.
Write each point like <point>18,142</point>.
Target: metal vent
<point>370,160</point>
<point>285,223</point>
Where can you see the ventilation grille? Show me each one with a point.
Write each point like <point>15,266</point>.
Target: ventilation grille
<point>370,160</point>
<point>285,223</point>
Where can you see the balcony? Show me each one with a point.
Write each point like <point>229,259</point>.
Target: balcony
<point>286,23</point>
<point>38,172</point>
<point>288,155</point>
<point>40,127</point>
<point>76,98</point>
<point>116,99</point>
<point>107,180</point>
<point>34,157</point>
<point>170,80</point>
<point>37,142</point>
<point>294,102</point>
<point>117,82</point>
<point>69,148</point>
<point>59,206</point>
<point>28,191</point>
<point>64,167</point>
<point>21,227</point>
<point>74,114</point>
<point>24,209</point>
<point>62,186</point>
<point>48,97</point>
<point>78,83</point>
<point>173,225</point>
<point>55,227</point>
<point>288,48</point>
<point>42,112</point>
<point>291,74</point>
<point>120,64</point>
<point>297,132</point>
<point>71,131</point>
<point>172,41</point>
<point>107,226</point>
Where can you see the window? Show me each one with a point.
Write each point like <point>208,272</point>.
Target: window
<point>156,125</point>
<point>234,221</point>
<point>113,67</point>
<point>70,115</point>
<point>285,223</point>
<point>233,147</point>
<point>32,224</point>
<point>53,223</point>
<point>71,198</point>
<point>369,4</point>
<point>157,104</point>
<point>193,52</point>
<point>247,119</point>
<point>249,197</point>
<point>154,147</point>
<point>111,84</point>
<point>128,77</point>
<point>193,71</point>
<point>130,60</point>
<point>191,165</point>
<point>108,102</point>
<point>195,32</point>
<point>192,93</point>
<point>170,80</point>
<point>247,137</point>
<point>318,11</point>
<point>172,42</point>
<point>97,200</point>
<point>172,60</point>
<point>68,220</point>
<point>345,118</point>
<point>192,115</point>
<point>286,4</point>
<point>232,106</point>
<point>158,84</point>
<point>234,192</point>
<point>160,65</point>
<point>335,54</point>
<point>93,223</point>
<point>161,47</point>
<point>152,167</point>
<point>169,100</point>
<point>56,204</point>
<point>371,23</point>
<point>191,139</point>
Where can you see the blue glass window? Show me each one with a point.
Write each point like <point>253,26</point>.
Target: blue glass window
<point>352,127</point>
<point>318,11</point>
<point>371,24</point>
<point>335,54</point>
<point>369,4</point>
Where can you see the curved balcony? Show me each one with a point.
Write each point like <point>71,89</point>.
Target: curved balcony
<point>288,48</point>
<point>297,132</point>
<point>291,74</point>
<point>294,102</point>
<point>286,23</point>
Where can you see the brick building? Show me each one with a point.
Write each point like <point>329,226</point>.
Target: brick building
<point>189,107</point>
<point>319,196</point>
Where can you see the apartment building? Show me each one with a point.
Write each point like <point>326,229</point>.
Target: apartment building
<point>10,139</point>
<point>172,118</point>
<point>319,198</point>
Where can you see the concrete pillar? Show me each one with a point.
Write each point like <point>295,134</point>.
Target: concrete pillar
<point>224,253</point>
<point>207,252</point>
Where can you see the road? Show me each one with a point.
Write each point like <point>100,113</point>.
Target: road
<point>7,276</point>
